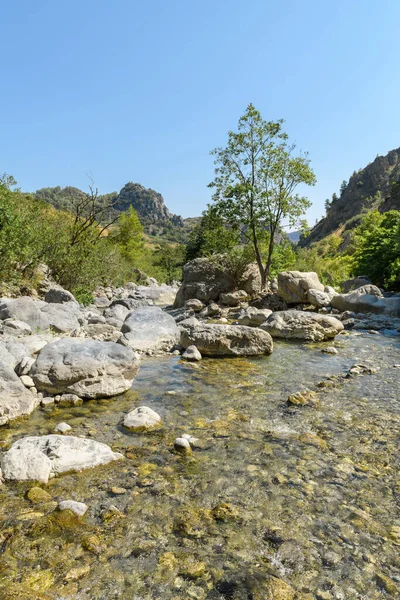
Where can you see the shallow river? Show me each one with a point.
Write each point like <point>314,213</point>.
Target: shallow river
<point>303,495</point>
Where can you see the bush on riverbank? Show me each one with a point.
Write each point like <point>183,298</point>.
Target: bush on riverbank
<point>79,251</point>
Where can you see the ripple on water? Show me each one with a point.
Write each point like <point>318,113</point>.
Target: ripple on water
<point>275,497</point>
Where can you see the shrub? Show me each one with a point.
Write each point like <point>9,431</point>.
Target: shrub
<point>83,296</point>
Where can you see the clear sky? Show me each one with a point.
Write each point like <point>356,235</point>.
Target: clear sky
<point>142,91</point>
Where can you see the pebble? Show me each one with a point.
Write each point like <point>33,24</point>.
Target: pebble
<point>182,446</point>
<point>330,350</point>
<point>306,397</point>
<point>27,381</point>
<point>141,419</point>
<point>79,508</point>
<point>118,491</point>
<point>62,428</point>
<point>192,354</point>
<point>47,401</point>
<point>193,441</point>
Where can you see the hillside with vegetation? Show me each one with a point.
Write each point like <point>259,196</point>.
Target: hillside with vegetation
<point>79,237</point>
<point>88,239</point>
<point>360,233</point>
<point>156,219</point>
<point>375,187</point>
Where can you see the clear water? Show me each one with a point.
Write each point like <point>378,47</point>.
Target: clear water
<point>312,493</point>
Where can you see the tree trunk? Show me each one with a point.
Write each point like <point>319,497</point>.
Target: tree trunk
<point>258,257</point>
<point>270,252</point>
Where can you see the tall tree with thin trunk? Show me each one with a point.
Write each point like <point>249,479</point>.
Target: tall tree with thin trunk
<point>256,177</point>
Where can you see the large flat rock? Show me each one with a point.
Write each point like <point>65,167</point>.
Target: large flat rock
<point>25,309</point>
<point>227,340</point>
<point>41,316</point>
<point>41,457</point>
<point>302,325</point>
<point>366,303</point>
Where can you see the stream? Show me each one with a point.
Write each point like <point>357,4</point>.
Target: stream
<point>304,496</point>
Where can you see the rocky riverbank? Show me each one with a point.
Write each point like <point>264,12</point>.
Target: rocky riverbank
<point>265,470</point>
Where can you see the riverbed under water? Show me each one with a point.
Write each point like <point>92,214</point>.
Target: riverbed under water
<point>302,495</point>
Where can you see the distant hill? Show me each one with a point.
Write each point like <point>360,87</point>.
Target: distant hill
<point>376,187</point>
<point>155,217</point>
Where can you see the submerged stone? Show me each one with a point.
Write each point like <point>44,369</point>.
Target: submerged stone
<point>79,508</point>
<point>37,495</point>
<point>41,457</point>
<point>182,446</point>
<point>303,398</point>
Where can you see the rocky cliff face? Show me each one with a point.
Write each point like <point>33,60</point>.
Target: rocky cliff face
<point>148,203</point>
<point>377,186</point>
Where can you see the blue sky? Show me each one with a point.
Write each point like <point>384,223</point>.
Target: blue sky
<point>142,91</point>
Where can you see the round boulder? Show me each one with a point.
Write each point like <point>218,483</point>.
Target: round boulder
<point>141,419</point>
<point>87,368</point>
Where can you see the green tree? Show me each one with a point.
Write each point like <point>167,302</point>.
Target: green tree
<point>170,258</point>
<point>283,257</point>
<point>377,253</point>
<point>129,235</point>
<point>213,235</point>
<point>256,176</point>
<point>343,187</point>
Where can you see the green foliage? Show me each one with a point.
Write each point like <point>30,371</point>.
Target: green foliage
<point>21,241</point>
<point>332,270</point>
<point>377,253</point>
<point>83,295</point>
<point>170,258</point>
<point>74,245</point>
<point>283,257</point>
<point>343,187</point>
<point>235,261</point>
<point>129,235</point>
<point>372,249</point>
<point>256,176</point>
<point>213,235</point>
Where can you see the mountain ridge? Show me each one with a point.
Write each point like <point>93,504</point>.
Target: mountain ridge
<point>376,186</point>
<point>153,213</point>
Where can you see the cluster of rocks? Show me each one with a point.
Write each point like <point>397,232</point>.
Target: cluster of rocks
<point>56,350</point>
<point>40,458</point>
